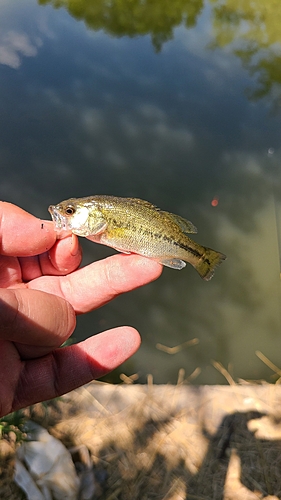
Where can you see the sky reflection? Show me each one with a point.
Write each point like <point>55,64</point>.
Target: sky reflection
<point>82,113</point>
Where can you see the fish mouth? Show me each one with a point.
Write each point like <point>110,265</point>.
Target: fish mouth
<point>61,223</point>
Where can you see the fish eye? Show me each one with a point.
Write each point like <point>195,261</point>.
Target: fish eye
<point>70,210</point>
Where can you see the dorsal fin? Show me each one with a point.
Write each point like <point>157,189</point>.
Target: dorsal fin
<point>185,225</point>
<point>143,203</point>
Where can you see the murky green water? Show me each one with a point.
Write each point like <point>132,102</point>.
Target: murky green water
<point>177,103</point>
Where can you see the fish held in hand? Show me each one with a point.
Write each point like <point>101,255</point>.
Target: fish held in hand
<point>131,225</point>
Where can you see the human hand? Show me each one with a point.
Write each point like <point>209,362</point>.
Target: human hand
<point>41,292</point>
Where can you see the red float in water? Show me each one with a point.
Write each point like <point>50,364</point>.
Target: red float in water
<point>215,202</point>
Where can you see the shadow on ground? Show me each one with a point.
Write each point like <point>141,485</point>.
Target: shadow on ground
<point>174,442</point>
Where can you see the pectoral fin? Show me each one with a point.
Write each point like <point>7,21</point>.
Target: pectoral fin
<point>173,263</point>
<point>97,229</point>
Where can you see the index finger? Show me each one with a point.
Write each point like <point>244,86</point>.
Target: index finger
<point>22,234</point>
<point>98,283</point>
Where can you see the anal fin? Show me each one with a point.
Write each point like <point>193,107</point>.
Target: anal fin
<point>173,263</point>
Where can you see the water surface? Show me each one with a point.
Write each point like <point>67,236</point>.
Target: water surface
<point>177,103</point>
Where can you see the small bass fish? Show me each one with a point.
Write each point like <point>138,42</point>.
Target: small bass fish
<point>131,225</point>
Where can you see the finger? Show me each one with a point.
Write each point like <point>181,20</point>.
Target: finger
<point>36,319</point>
<point>10,369</point>
<point>96,284</point>
<point>66,369</point>
<point>30,268</point>
<point>63,258</point>
<point>10,271</point>
<point>22,234</point>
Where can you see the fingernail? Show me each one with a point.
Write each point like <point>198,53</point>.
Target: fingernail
<point>74,249</point>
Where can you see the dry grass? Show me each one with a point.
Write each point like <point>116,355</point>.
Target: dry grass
<point>170,442</point>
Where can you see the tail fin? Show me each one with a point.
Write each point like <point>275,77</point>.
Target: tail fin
<point>207,264</point>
